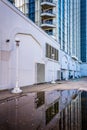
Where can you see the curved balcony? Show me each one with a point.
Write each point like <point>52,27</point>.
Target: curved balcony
<point>47,14</point>
<point>47,24</point>
<point>47,3</point>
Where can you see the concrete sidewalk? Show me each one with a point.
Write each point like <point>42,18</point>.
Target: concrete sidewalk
<point>80,84</point>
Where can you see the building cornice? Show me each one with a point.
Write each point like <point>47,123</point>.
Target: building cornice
<point>74,57</point>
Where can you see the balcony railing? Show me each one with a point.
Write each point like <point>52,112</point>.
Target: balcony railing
<point>47,13</point>
<point>47,24</point>
<point>49,32</point>
<point>51,1</point>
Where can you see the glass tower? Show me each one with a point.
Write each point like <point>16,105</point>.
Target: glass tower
<point>83,20</point>
<point>58,18</point>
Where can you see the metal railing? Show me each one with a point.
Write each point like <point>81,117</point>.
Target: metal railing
<point>48,11</point>
<point>47,22</point>
<point>51,1</point>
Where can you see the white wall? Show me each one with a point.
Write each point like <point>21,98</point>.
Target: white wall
<point>13,24</point>
<point>29,53</point>
<point>69,64</point>
<point>4,69</point>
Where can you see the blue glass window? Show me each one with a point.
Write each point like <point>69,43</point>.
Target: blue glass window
<point>83,30</point>
<point>32,10</point>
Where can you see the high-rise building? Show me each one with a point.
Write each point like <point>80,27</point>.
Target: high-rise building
<point>83,36</point>
<point>42,12</point>
<point>84,30</point>
<point>59,18</point>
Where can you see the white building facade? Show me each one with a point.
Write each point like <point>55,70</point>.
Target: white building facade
<point>28,54</point>
<point>35,65</point>
<point>61,20</point>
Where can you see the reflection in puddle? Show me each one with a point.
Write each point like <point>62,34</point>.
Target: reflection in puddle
<point>53,110</point>
<point>39,100</point>
<point>84,110</point>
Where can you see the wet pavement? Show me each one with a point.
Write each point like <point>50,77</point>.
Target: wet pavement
<point>80,84</point>
<point>50,110</point>
<point>60,106</point>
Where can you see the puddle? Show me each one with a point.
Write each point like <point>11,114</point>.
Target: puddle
<point>53,110</point>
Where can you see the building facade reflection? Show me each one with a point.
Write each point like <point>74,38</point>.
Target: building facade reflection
<point>84,110</point>
<point>52,110</point>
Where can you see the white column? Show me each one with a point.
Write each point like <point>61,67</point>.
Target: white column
<point>17,88</point>
<point>53,81</point>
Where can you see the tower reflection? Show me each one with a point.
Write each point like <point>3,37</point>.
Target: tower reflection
<point>50,110</point>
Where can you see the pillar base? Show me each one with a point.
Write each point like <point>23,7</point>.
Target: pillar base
<point>16,90</point>
<point>53,82</point>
